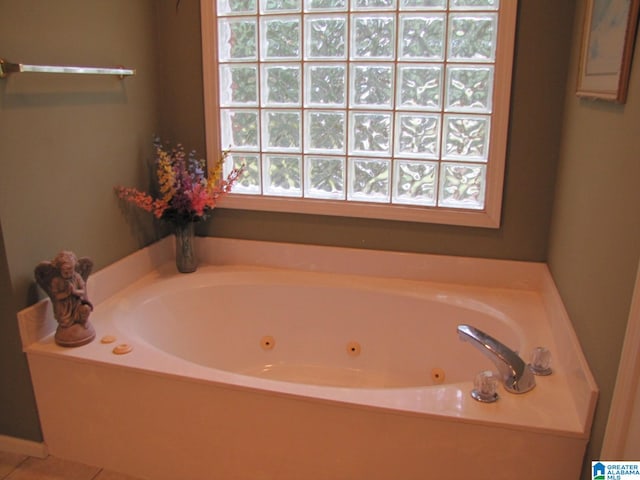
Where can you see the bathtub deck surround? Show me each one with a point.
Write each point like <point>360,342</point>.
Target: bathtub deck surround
<point>311,362</point>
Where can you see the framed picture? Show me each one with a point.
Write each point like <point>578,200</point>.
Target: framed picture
<point>607,48</point>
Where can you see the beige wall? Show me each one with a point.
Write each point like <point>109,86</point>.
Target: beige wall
<point>594,246</point>
<point>18,417</point>
<point>66,140</point>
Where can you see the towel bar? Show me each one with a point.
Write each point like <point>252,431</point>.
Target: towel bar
<point>7,67</point>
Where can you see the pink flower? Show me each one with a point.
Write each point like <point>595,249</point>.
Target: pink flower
<point>200,200</point>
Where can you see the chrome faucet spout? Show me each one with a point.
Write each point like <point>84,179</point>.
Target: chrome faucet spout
<point>515,375</point>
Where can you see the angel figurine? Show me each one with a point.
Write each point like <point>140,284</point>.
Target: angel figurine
<point>64,279</point>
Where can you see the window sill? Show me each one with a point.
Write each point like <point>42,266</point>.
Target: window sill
<point>451,216</point>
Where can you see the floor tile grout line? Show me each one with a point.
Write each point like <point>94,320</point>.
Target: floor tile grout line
<point>97,474</point>
<point>20,464</point>
<point>16,467</point>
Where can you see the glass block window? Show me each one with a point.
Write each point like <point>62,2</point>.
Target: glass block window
<point>385,102</point>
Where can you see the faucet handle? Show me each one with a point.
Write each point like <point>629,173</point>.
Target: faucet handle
<point>540,361</point>
<point>485,387</point>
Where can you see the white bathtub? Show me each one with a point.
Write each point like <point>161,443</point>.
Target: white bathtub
<point>289,362</point>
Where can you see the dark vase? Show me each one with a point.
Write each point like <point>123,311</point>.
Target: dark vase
<point>186,260</point>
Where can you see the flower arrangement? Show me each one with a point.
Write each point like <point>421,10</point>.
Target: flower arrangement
<point>186,192</point>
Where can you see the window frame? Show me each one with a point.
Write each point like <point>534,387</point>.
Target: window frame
<point>488,217</point>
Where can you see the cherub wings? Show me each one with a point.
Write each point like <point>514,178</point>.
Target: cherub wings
<point>46,271</point>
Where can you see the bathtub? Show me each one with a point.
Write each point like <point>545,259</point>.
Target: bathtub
<point>287,362</point>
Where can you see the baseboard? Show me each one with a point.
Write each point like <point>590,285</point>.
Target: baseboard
<point>23,447</point>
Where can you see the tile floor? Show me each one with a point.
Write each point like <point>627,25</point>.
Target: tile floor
<point>22,467</point>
